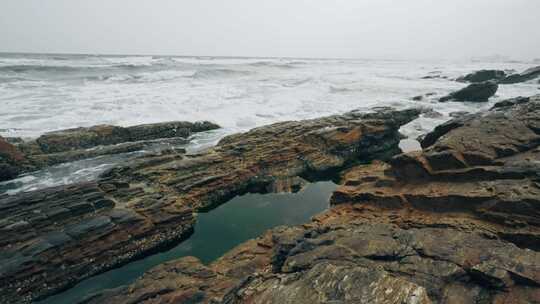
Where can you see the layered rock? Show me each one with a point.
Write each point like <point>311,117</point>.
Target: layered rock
<point>458,222</point>
<point>80,143</point>
<point>483,75</point>
<point>53,238</point>
<point>475,92</point>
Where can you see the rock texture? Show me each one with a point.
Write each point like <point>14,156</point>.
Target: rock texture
<point>12,161</point>
<point>526,75</point>
<point>483,75</point>
<point>475,92</point>
<point>53,238</point>
<point>80,143</point>
<point>458,222</point>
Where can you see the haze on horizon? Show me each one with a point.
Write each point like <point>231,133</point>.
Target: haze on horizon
<point>416,29</point>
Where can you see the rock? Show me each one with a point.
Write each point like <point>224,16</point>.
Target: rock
<point>458,114</point>
<point>84,138</point>
<point>458,222</point>
<point>511,102</point>
<point>483,75</point>
<point>421,97</point>
<point>12,161</point>
<point>435,75</point>
<point>148,203</point>
<point>526,75</point>
<point>81,143</point>
<point>431,113</point>
<point>476,92</point>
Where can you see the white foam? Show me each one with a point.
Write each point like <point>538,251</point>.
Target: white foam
<point>237,93</point>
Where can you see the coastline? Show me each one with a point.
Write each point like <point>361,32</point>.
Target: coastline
<point>136,208</point>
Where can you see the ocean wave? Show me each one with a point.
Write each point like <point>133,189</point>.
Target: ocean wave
<point>218,73</point>
<point>145,77</point>
<point>338,90</point>
<point>272,64</point>
<point>37,68</point>
<point>297,82</point>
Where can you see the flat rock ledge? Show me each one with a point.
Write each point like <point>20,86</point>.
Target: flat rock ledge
<point>18,156</point>
<point>53,238</point>
<point>458,222</point>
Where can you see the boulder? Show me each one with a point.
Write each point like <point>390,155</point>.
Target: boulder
<point>526,75</point>
<point>148,203</point>
<point>475,92</point>
<point>483,75</point>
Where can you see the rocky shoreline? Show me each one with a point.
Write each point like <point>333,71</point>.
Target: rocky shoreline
<point>18,156</point>
<point>458,222</point>
<point>149,203</point>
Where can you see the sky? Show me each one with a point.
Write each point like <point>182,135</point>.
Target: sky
<point>390,29</point>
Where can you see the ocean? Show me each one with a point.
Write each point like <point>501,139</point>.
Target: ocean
<point>41,93</point>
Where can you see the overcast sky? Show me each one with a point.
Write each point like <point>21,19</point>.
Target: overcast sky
<point>285,28</point>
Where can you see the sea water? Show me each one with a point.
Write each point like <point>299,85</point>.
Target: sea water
<point>42,93</point>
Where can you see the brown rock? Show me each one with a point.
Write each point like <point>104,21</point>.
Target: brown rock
<point>148,203</point>
<point>75,144</point>
<point>455,223</point>
<point>12,161</point>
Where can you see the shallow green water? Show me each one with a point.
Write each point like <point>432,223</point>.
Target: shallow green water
<point>242,218</point>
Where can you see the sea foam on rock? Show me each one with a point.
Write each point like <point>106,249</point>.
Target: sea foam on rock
<point>75,144</point>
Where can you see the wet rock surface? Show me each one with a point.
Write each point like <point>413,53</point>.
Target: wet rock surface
<point>458,222</point>
<point>80,143</point>
<point>12,161</point>
<point>526,75</point>
<point>475,92</point>
<point>483,75</point>
<point>53,238</point>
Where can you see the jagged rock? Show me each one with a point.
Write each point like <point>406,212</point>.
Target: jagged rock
<point>458,222</point>
<point>146,204</point>
<point>80,143</point>
<point>483,75</point>
<point>526,75</point>
<point>475,92</point>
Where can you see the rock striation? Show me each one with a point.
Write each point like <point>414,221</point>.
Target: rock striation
<point>80,143</point>
<point>475,92</point>
<point>53,238</point>
<point>458,222</point>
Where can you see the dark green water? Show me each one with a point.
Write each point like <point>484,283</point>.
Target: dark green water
<point>216,232</point>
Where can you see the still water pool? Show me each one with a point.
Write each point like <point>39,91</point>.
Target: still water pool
<point>216,232</point>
